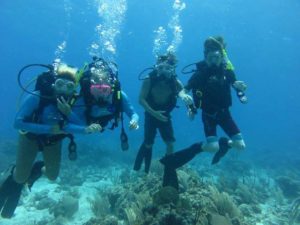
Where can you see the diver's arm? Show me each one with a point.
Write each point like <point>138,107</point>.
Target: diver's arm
<point>66,109</point>
<point>127,107</point>
<point>130,112</point>
<point>77,115</point>
<point>187,99</point>
<point>239,85</point>
<point>236,84</point>
<point>74,129</point>
<point>31,103</point>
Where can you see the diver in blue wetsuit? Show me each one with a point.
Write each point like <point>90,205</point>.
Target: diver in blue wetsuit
<point>102,114</point>
<point>104,101</point>
<point>44,120</point>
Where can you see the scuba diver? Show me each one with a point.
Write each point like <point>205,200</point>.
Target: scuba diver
<point>103,99</point>
<point>158,96</point>
<point>210,85</point>
<point>44,119</point>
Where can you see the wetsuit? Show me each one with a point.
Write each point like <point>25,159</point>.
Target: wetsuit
<point>211,87</point>
<point>159,87</point>
<point>45,119</point>
<point>36,120</point>
<point>102,113</point>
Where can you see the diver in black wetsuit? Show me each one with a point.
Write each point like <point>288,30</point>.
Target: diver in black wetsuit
<point>211,86</point>
<point>158,96</point>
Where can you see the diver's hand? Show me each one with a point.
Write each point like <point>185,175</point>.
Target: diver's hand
<point>191,114</point>
<point>93,128</point>
<point>160,116</point>
<point>187,99</point>
<point>133,124</point>
<point>63,106</point>
<point>55,129</point>
<point>240,85</point>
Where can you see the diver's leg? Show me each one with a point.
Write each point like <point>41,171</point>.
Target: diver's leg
<point>210,130</point>
<point>237,142</point>
<point>181,157</point>
<point>170,148</point>
<point>224,148</point>
<point>11,188</point>
<point>27,152</point>
<point>145,151</point>
<point>231,129</point>
<point>167,133</point>
<point>52,159</point>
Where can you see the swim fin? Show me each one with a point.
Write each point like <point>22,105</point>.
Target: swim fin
<point>144,154</point>
<point>10,190</point>
<point>179,158</point>
<point>170,177</point>
<point>148,159</point>
<point>10,193</point>
<point>224,147</point>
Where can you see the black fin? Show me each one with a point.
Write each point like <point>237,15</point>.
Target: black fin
<point>170,178</point>
<point>181,157</point>
<point>148,159</point>
<point>139,158</point>
<point>144,153</point>
<point>10,192</point>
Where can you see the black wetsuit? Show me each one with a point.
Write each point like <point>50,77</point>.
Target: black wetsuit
<point>170,87</point>
<point>151,123</point>
<point>211,87</point>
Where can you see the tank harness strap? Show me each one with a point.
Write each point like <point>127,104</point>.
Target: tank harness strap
<point>43,140</point>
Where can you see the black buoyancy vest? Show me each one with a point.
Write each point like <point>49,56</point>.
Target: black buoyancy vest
<point>90,101</point>
<point>171,104</point>
<point>215,88</point>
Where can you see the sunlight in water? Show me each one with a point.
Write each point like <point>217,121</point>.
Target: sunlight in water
<point>111,14</point>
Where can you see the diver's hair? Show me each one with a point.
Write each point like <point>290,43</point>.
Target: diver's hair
<point>215,43</point>
<point>169,58</point>
<point>67,71</point>
<point>220,39</point>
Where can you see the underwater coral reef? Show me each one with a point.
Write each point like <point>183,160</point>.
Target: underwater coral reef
<point>235,192</point>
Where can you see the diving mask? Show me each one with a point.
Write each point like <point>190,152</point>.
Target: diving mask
<point>64,86</point>
<point>214,58</point>
<point>166,70</point>
<point>100,91</point>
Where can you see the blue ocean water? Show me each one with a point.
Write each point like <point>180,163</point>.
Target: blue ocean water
<point>262,39</point>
